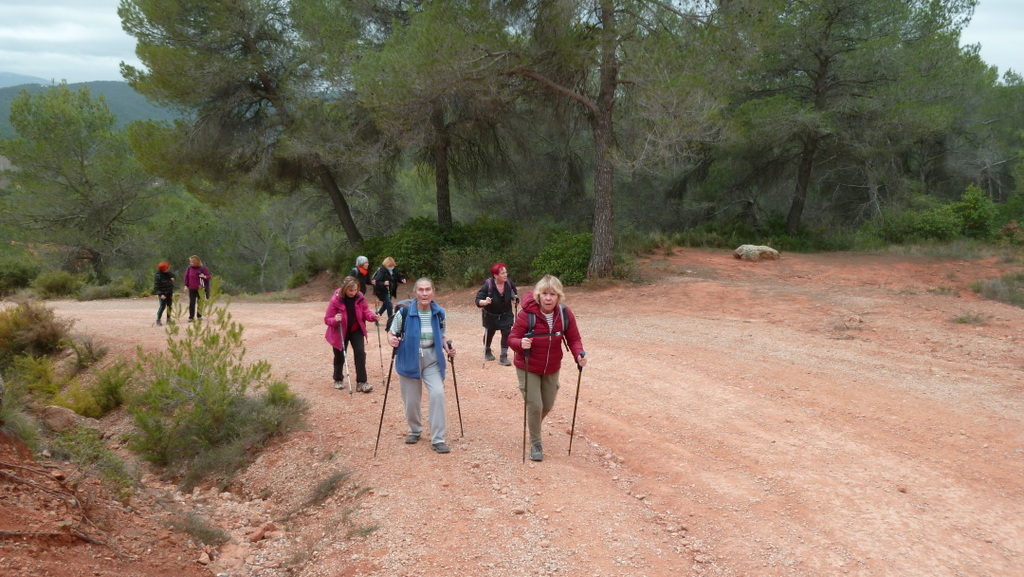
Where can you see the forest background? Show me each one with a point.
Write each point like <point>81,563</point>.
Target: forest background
<point>556,136</point>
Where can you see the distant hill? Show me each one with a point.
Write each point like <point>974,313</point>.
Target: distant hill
<point>12,79</point>
<point>122,100</point>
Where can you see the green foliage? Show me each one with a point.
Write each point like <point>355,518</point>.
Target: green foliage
<point>297,279</point>
<point>120,288</point>
<point>1008,289</point>
<point>976,213</point>
<point>39,376</point>
<point>461,255</point>
<point>84,447</point>
<point>107,393</point>
<point>14,419</point>
<point>30,329</point>
<point>56,284</point>
<point>203,410</point>
<point>16,273</point>
<point>1011,233</point>
<point>87,352</point>
<point>566,257</point>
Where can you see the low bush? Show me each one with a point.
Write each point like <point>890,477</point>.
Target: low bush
<point>57,284</point>
<point>14,419</point>
<point>122,288</point>
<point>16,274</point>
<point>566,256</point>
<point>1008,289</point>
<point>203,411</point>
<point>84,447</point>
<point>30,329</point>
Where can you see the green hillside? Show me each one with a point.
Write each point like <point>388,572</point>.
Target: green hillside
<point>124,102</point>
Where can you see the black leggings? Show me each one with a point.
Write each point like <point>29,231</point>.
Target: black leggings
<point>166,300</point>
<point>358,342</point>
<point>489,337</point>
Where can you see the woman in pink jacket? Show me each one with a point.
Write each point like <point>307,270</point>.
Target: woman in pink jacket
<point>346,318</point>
<point>537,337</point>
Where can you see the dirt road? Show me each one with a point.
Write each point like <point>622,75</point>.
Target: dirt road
<point>819,415</point>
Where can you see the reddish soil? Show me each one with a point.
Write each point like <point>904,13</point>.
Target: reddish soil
<point>814,416</point>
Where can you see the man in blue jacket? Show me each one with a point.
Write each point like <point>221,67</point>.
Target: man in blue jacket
<point>418,334</point>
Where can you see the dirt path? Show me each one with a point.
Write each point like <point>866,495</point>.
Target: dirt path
<point>820,415</point>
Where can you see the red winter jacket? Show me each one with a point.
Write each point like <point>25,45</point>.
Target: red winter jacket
<point>363,314</point>
<point>545,351</point>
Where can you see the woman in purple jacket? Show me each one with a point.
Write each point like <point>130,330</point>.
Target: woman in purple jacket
<point>346,318</point>
<point>197,278</point>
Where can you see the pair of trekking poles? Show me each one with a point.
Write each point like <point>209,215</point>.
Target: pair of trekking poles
<point>526,396</point>
<point>387,387</point>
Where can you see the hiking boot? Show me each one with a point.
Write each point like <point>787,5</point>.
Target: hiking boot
<point>440,448</point>
<point>340,385</point>
<point>488,355</point>
<point>535,452</point>
<point>158,323</point>
<point>504,360</point>
<point>412,439</point>
<point>364,387</point>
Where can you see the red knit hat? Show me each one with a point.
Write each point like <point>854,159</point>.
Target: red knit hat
<point>164,266</point>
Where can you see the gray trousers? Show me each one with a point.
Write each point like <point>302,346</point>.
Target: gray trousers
<point>412,396</point>
<point>540,392</point>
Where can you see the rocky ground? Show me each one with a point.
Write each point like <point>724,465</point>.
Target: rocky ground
<point>834,414</point>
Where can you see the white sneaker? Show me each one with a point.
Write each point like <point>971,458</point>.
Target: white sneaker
<point>339,385</point>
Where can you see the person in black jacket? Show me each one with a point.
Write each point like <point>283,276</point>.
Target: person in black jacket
<point>385,286</point>
<point>361,272</point>
<point>495,300</point>
<point>163,288</point>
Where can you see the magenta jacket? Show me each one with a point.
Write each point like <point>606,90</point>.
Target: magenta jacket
<point>192,277</point>
<point>363,314</point>
<point>546,351</point>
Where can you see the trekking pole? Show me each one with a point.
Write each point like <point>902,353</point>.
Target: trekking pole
<point>380,350</point>
<point>455,381</point>
<point>572,429</point>
<point>384,405</point>
<point>344,360</point>
<point>526,393</point>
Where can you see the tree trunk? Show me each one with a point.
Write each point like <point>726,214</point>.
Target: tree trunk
<point>339,202</point>
<point>602,254</point>
<point>442,179</point>
<point>803,180</point>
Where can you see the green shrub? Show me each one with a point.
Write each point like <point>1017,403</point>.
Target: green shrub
<point>30,329</point>
<point>78,397</point>
<point>39,376</point>
<point>1008,289</point>
<point>56,284</point>
<point>84,447</point>
<point>16,274</point>
<point>123,287</point>
<point>203,410</point>
<point>87,352</point>
<point>112,385</point>
<point>14,419</point>
<point>566,256</point>
<point>298,279</point>
<point>976,212</point>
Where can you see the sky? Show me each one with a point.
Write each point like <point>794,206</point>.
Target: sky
<point>82,40</point>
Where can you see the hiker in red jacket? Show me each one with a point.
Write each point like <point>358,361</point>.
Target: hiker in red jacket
<point>537,337</point>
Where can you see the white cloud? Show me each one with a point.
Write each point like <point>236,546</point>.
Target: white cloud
<point>73,40</point>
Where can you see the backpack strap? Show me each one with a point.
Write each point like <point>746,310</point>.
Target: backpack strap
<point>531,320</point>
